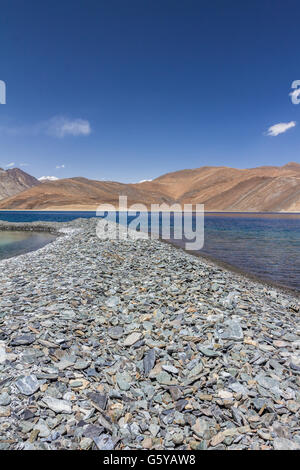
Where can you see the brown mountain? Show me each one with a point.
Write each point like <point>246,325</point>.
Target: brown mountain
<point>79,193</point>
<point>267,188</point>
<point>14,180</point>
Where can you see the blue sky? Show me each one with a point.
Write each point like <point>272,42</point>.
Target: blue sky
<point>128,90</point>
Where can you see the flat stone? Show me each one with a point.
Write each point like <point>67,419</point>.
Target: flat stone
<point>154,429</point>
<point>147,443</point>
<point>230,330</point>
<point>43,429</point>
<point>65,362</point>
<point>81,364</point>
<point>132,338</point>
<point>23,340</point>
<point>196,370</point>
<point>200,427</point>
<point>28,385</point>
<point>170,368</point>
<point>98,399</point>
<point>123,381</point>
<point>149,361</point>
<point>58,406</point>
<point>104,442</point>
<point>165,379</point>
<point>268,383</point>
<point>5,399</point>
<point>208,352</point>
<point>86,443</point>
<point>26,426</point>
<point>225,394</point>
<point>116,332</point>
<point>178,437</point>
<point>238,388</point>
<point>92,430</point>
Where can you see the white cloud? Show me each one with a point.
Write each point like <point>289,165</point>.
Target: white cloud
<point>60,127</point>
<point>9,165</point>
<point>143,181</point>
<point>57,126</point>
<point>280,128</point>
<point>24,164</point>
<point>60,166</point>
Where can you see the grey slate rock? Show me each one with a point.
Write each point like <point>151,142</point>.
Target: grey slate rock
<point>230,330</point>
<point>149,361</point>
<point>98,399</point>
<point>23,340</point>
<point>28,385</point>
<point>104,442</point>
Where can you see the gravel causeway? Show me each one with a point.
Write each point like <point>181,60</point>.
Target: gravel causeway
<point>134,344</point>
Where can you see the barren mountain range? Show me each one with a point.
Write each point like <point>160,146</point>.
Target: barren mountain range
<point>267,188</point>
<point>13,181</point>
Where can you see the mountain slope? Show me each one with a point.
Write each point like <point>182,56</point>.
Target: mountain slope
<point>13,181</point>
<point>267,188</point>
<point>80,193</point>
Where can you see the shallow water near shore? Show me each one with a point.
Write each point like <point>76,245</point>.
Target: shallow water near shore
<point>14,242</point>
<point>265,245</point>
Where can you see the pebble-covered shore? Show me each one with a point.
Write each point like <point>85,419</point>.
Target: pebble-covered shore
<point>138,345</point>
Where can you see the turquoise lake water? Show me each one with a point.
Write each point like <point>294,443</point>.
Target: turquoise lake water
<point>14,243</point>
<point>265,245</point>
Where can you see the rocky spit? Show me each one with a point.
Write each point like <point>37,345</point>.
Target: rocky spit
<point>134,344</point>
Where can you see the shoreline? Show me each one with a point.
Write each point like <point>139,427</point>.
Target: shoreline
<point>244,274</point>
<point>132,344</point>
<point>246,213</point>
<point>29,226</point>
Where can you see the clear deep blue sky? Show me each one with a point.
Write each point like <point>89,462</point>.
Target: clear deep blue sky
<point>147,86</point>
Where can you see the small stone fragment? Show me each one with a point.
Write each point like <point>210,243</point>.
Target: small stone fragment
<point>132,338</point>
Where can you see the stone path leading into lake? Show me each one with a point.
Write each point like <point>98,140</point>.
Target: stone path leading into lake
<point>138,345</point>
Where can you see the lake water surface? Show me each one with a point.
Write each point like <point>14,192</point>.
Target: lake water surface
<point>14,243</point>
